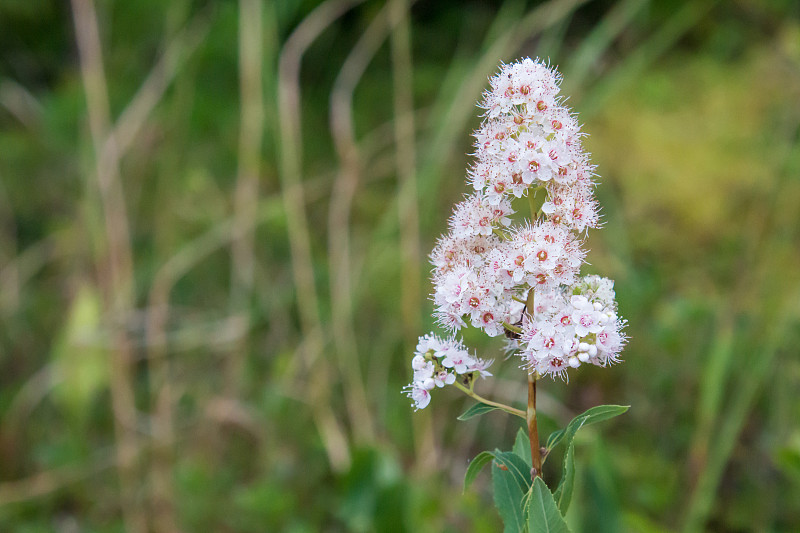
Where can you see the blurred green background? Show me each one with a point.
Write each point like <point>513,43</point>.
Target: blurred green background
<point>214,222</point>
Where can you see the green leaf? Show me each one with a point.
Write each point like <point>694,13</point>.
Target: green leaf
<point>563,493</point>
<point>590,416</point>
<point>543,514</point>
<point>522,446</point>
<point>508,498</point>
<point>554,438</point>
<point>475,467</point>
<point>516,466</point>
<point>476,410</point>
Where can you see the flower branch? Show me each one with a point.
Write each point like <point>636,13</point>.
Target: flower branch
<point>507,408</point>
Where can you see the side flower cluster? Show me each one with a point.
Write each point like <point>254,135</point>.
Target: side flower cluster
<point>571,326</point>
<point>437,363</point>
<point>487,269</point>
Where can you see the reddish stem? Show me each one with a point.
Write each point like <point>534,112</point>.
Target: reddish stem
<point>533,430</point>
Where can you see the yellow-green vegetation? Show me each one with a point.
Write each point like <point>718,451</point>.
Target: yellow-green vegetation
<point>214,222</point>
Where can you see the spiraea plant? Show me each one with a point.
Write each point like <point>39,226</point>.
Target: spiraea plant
<point>522,281</point>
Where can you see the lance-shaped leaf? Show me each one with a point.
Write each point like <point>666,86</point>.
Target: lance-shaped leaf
<point>522,446</point>
<point>590,416</point>
<point>563,494</point>
<point>476,410</point>
<point>514,464</point>
<point>508,498</point>
<point>475,467</point>
<point>543,514</point>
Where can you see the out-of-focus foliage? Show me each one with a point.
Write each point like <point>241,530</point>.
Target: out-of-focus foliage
<point>216,396</point>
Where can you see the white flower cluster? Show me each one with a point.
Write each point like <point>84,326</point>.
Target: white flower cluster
<point>528,140</point>
<point>485,268</point>
<point>437,363</point>
<point>486,279</point>
<point>572,325</point>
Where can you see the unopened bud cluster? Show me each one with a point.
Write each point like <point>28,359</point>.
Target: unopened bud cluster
<point>485,268</point>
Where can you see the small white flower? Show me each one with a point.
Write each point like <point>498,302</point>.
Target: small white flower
<point>443,377</point>
<point>457,361</point>
<point>424,372</point>
<point>480,366</point>
<point>420,396</point>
